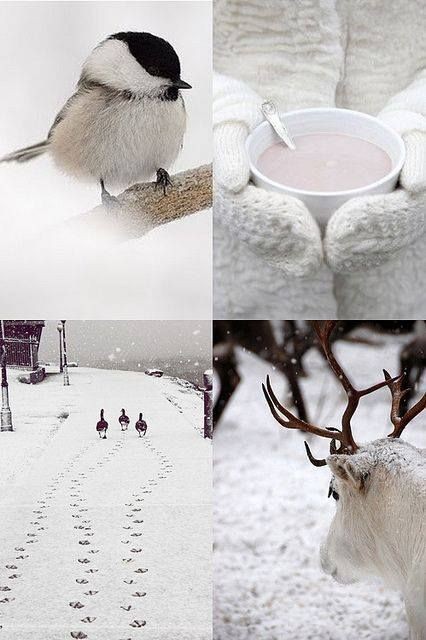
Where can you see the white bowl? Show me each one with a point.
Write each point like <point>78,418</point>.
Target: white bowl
<point>323,203</point>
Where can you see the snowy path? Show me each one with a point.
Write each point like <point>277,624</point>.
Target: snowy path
<point>272,512</point>
<point>105,539</point>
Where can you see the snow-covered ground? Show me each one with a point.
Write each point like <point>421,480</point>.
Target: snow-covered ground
<point>104,539</point>
<point>271,509</point>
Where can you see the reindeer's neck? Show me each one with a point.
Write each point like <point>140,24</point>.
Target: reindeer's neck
<point>400,534</point>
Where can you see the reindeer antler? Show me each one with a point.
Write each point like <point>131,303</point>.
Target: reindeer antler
<point>400,422</point>
<point>323,330</point>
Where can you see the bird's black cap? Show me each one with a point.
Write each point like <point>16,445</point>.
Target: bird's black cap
<point>154,54</point>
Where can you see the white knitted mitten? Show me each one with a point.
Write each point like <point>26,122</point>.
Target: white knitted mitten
<point>277,228</point>
<point>366,232</point>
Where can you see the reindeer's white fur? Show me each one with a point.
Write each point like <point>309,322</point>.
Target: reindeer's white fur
<point>380,523</point>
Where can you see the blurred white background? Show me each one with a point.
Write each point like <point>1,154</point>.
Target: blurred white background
<point>166,274</point>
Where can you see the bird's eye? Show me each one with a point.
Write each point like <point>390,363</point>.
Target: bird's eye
<point>153,71</point>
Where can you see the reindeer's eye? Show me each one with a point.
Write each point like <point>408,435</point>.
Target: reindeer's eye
<point>332,491</point>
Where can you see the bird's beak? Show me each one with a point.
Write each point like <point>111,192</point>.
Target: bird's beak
<point>181,84</point>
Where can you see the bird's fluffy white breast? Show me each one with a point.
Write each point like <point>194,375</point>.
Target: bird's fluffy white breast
<point>121,141</point>
<point>112,64</point>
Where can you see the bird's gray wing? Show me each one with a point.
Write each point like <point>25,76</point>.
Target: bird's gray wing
<point>82,86</point>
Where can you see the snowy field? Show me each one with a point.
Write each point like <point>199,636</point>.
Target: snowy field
<point>271,509</point>
<point>105,539</point>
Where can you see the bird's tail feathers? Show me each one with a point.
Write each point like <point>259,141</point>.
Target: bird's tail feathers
<point>22,155</point>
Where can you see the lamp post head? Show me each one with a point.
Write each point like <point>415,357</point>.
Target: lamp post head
<point>59,327</point>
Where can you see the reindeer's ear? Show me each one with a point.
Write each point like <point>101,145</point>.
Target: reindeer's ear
<point>346,468</point>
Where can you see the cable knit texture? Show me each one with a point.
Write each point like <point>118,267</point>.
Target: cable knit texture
<point>307,53</point>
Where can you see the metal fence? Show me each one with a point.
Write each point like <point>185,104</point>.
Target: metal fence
<point>22,352</point>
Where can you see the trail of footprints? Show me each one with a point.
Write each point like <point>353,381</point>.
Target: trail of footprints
<point>85,537</point>
<point>14,569</point>
<point>131,525</point>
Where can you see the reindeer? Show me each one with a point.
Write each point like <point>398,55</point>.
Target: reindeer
<point>379,527</point>
<point>258,337</point>
<point>412,363</point>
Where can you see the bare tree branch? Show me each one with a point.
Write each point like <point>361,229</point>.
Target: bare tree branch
<point>142,207</point>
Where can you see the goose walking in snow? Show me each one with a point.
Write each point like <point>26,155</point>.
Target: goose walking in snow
<point>102,426</point>
<point>141,426</point>
<point>124,420</point>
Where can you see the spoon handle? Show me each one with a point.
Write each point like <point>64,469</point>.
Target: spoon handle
<point>270,112</point>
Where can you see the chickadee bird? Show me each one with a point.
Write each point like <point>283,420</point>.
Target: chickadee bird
<point>125,122</point>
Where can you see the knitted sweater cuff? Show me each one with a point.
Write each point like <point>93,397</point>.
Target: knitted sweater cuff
<point>234,102</point>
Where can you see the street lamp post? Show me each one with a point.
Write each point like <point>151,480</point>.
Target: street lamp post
<point>64,344</point>
<point>208,403</point>
<point>59,328</point>
<point>6,414</point>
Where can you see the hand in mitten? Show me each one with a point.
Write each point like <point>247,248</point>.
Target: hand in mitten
<point>278,228</point>
<point>366,232</point>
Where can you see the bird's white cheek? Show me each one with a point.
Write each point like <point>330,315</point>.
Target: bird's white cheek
<point>112,64</point>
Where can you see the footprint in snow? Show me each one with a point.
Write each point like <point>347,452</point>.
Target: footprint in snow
<point>78,634</point>
<point>138,623</point>
<point>126,608</point>
<point>139,594</point>
<point>82,581</point>
<point>76,605</point>
<point>89,619</point>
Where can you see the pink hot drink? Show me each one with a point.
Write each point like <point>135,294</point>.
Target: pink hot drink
<point>325,162</point>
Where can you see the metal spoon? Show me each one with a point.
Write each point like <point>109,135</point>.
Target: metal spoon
<point>270,112</point>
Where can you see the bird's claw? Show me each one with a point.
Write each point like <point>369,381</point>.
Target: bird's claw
<point>108,201</point>
<point>163,180</point>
